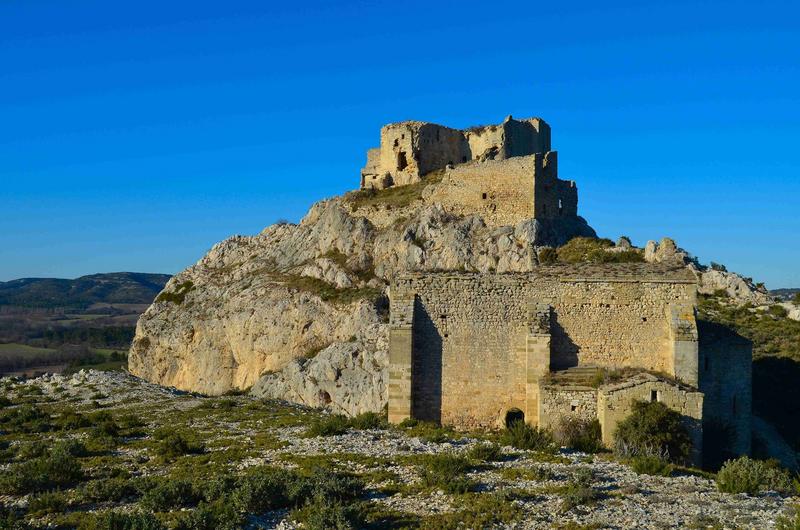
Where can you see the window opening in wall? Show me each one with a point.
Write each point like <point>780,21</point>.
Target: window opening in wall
<point>644,319</point>
<point>483,196</point>
<point>514,416</point>
<point>402,162</point>
<point>402,136</point>
<point>653,395</point>
<point>573,408</point>
<point>396,142</point>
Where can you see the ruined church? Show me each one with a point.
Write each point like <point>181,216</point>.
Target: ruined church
<point>471,349</point>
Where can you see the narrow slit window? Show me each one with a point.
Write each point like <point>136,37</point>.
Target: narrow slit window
<point>654,395</point>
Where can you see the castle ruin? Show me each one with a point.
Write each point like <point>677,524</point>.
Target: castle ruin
<point>482,350</point>
<point>506,173</point>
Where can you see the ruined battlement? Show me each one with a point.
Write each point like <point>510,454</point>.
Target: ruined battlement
<point>409,150</point>
<point>505,173</point>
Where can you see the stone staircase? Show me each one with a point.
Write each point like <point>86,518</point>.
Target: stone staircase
<point>577,376</point>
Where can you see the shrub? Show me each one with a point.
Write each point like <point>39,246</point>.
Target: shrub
<point>112,489</point>
<point>173,444</point>
<point>218,515</point>
<point>57,470</point>
<point>27,418</point>
<point>789,521</point>
<point>796,299</point>
<point>427,430</point>
<point>579,434</point>
<point>4,402</point>
<point>70,420</point>
<point>651,465</point>
<point>446,472</point>
<point>179,295</point>
<point>485,452</point>
<point>28,451</point>
<point>167,493</point>
<point>745,475</point>
<point>594,250</point>
<point>48,502</point>
<point>651,428</point>
<point>522,436</point>
<point>329,425</point>
<point>778,311</point>
<point>71,447</point>
<point>578,494</point>
<point>368,420</point>
<point>322,513</point>
<point>119,521</point>
<point>478,510</point>
<point>547,255</point>
<point>265,488</point>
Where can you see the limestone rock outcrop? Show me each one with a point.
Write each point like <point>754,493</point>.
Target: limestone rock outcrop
<point>346,377</point>
<point>710,280</point>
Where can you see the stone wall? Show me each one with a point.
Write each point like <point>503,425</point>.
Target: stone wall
<point>472,332</point>
<point>725,377</point>
<point>510,138</point>
<point>508,191</point>
<point>557,403</point>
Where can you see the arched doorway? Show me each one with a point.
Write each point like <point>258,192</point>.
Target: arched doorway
<point>513,416</point>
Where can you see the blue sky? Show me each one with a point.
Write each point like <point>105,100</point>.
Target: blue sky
<point>135,135</point>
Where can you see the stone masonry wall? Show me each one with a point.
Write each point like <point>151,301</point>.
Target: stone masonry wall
<point>508,191</point>
<point>469,330</point>
<point>725,375</point>
<point>557,403</point>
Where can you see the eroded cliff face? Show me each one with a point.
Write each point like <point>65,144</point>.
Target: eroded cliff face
<point>303,307</point>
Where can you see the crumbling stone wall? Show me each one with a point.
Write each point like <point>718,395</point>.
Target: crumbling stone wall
<point>725,377</point>
<point>510,138</point>
<point>508,191</point>
<point>411,149</point>
<point>471,332</point>
<point>557,403</point>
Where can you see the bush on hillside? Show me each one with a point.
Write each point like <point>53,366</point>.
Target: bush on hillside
<point>595,250</point>
<point>485,452</point>
<point>522,436</point>
<point>59,469</point>
<point>547,255</point>
<point>653,429</point>
<point>746,475</point>
<point>651,465</point>
<point>120,521</point>
<point>446,472</point>
<point>579,434</point>
<point>173,444</point>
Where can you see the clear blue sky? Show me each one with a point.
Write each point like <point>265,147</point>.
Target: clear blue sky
<point>135,135</point>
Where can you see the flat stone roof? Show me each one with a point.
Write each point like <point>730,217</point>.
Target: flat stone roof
<point>587,272</point>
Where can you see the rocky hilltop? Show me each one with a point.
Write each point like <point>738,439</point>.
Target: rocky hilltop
<point>299,312</point>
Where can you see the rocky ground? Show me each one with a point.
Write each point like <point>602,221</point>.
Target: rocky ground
<point>232,436</point>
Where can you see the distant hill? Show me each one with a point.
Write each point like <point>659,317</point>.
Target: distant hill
<point>784,294</point>
<point>83,292</point>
